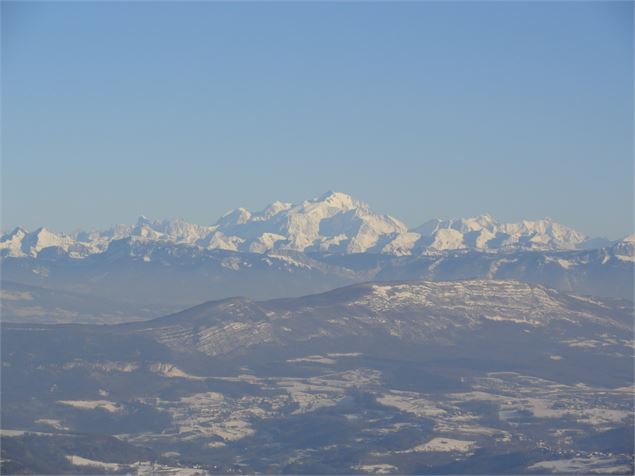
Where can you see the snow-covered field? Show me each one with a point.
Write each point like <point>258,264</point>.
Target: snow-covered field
<point>106,405</point>
<point>440,444</point>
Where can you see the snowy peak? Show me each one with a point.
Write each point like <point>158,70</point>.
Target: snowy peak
<point>332,222</point>
<point>18,230</point>
<point>11,243</point>
<point>236,217</point>
<point>483,232</point>
<point>272,210</point>
<point>340,200</point>
<point>174,230</point>
<point>624,250</point>
<point>545,231</point>
<point>628,239</point>
<point>20,243</point>
<point>462,225</point>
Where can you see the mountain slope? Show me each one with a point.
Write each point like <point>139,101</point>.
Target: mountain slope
<point>409,377</point>
<point>411,312</point>
<point>137,273</point>
<point>600,272</point>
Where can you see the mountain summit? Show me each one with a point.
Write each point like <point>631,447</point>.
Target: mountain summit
<point>334,222</point>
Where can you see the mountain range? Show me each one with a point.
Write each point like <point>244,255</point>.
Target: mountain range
<point>333,223</point>
<point>151,268</point>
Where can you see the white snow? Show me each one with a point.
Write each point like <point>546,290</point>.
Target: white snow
<point>93,404</point>
<point>582,465</point>
<point>377,468</point>
<point>53,423</point>
<point>265,242</point>
<point>440,444</point>
<point>447,239</point>
<point>314,359</point>
<point>411,403</point>
<point>402,245</point>
<point>170,371</point>
<point>80,461</point>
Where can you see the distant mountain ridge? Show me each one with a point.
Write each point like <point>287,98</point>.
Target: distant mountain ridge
<point>332,223</point>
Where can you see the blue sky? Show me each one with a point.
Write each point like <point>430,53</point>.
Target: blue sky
<point>420,109</point>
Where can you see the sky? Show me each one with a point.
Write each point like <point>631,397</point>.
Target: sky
<point>421,109</point>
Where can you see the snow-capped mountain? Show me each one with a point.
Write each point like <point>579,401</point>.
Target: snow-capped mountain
<point>20,243</point>
<point>485,233</point>
<point>624,250</point>
<point>333,223</point>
